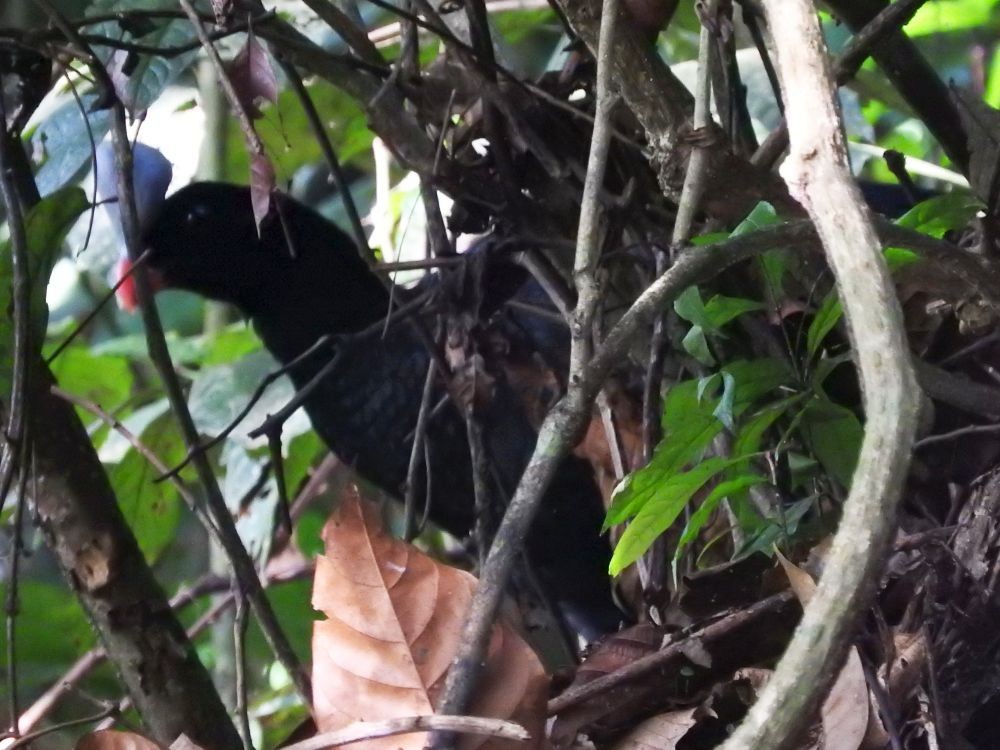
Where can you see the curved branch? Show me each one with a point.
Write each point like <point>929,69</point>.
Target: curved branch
<point>818,175</point>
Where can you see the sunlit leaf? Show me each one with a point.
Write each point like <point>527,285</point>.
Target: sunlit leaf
<point>950,16</point>
<point>701,516</point>
<point>665,503</point>
<point>940,214</point>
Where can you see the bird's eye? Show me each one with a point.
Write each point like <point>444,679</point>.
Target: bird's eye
<point>197,214</point>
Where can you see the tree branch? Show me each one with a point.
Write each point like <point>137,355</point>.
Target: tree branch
<point>818,175</point>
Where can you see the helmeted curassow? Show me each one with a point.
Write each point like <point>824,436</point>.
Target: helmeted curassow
<point>299,279</point>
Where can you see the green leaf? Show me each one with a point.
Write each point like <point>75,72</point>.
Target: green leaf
<point>229,344</point>
<point>899,257</point>
<point>134,347</point>
<point>724,409</point>
<point>65,141</point>
<point>825,367</point>
<point>107,381</point>
<point>823,322</point>
<point>689,425</point>
<point>115,447</point>
<point>151,74</point>
<point>721,309</point>
<point>45,610</point>
<point>252,504</point>
<point>762,215</point>
<point>660,510</point>
<point>45,228</point>
<point>285,123</point>
<point>218,394</point>
<point>831,311</point>
<point>709,239</point>
<point>151,508</point>
<point>704,384</point>
<point>691,308</point>
<point>992,94</point>
<point>940,214</point>
<point>301,453</point>
<point>783,525</point>
<point>699,518</point>
<point>746,444</point>
<point>708,319</point>
<point>774,265</point>
<point>833,433</point>
<point>751,435</point>
<point>950,17</point>
<point>696,344</point>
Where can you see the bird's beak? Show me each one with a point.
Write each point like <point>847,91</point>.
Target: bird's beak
<point>127,291</point>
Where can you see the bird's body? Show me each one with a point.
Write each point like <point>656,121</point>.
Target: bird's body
<point>301,280</point>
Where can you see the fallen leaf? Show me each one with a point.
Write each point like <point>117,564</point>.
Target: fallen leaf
<point>394,619</point>
<point>110,739</point>
<point>661,732</point>
<point>801,582</point>
<point>846,708</point>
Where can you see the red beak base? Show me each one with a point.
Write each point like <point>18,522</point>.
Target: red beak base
<point>128,292</point>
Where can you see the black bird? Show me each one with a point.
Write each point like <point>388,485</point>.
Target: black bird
<point>302,279</point>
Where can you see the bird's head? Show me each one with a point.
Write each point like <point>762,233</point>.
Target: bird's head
<point>300,272</point>
<point>204,239</point>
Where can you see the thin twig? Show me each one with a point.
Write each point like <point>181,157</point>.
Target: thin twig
<point>944,437</point>
<point>513,530</point>
<point>141,448</point>
<point>330,155</point>
<point>14,430</point>
<point>27,739</point>
<point>643,666</point>
<point>416,455</point>
<point>348,30</point>
<point>370,730</point>
<point>255,144</point>
<point>95,311</point>
<point>175,50</point>
<point>243,565</point>
<point>482,495</point>
<point>12,603</point>
<point>242,709</point>
<point>15,438</point>
<point>209,584</point>
<point>420,264</point>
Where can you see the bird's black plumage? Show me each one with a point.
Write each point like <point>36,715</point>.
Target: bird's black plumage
<point>302,279</point>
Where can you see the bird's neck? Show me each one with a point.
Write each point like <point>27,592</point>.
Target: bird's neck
<point>316,300</point>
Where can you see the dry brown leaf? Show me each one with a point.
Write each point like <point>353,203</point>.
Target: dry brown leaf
<point>846,708</point>
<point>610,654</point>
<point>801,582</point>
<point>183,742</point>
<point>110,739</point>
<point>394,618</point>
<point>661,732</point>
<point>252,76</point>
<point>907,669</point>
